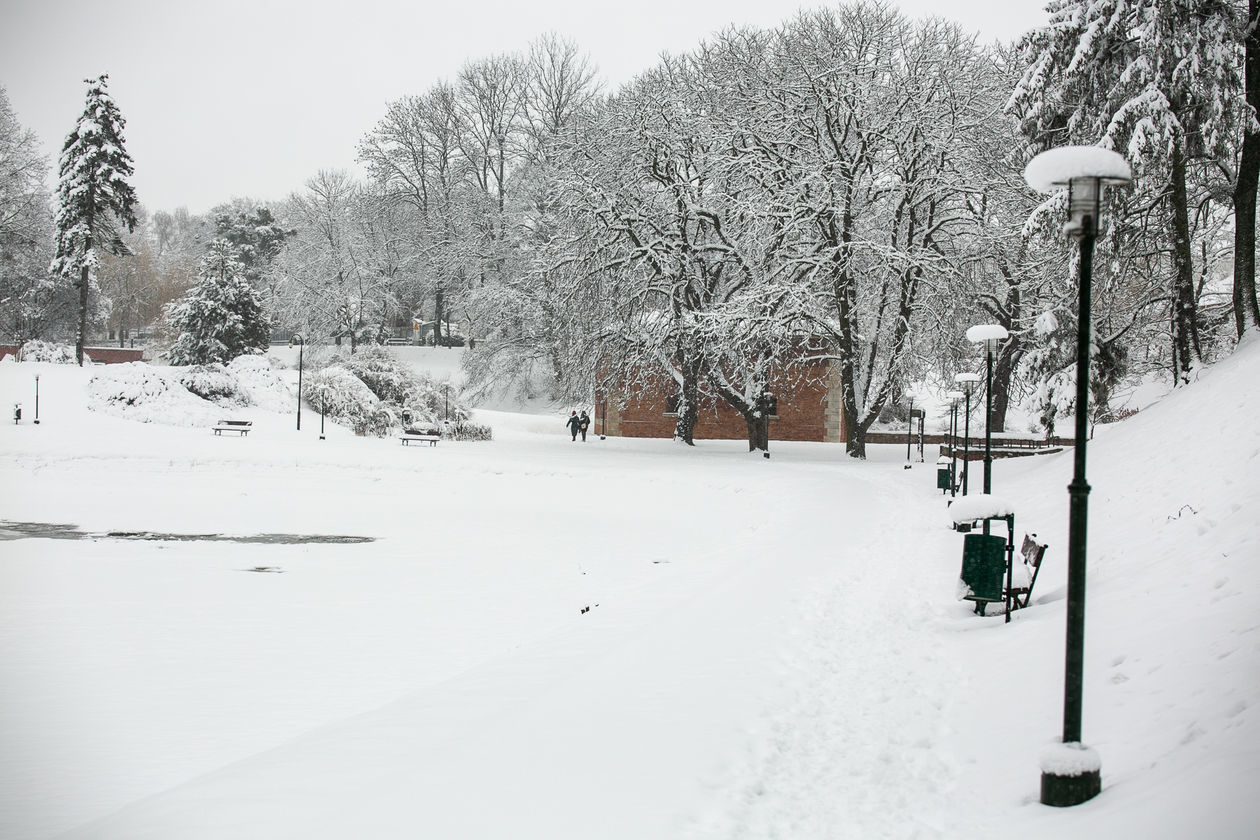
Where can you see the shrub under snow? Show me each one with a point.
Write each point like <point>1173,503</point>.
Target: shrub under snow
<point>260,383</point>
<point>212,382</point>
<point>139,391</point>
<point>375,393</point>
<point>47,351</point>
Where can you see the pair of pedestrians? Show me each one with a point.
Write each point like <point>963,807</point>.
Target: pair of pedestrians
<point>578,424</point>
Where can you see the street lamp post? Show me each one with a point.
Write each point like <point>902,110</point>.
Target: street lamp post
<point>301,343</point>
<point>37,399</point>
<point>1071,772</point>
<point>990,335</point>
<point>967,381</point>
<point>954,397</point>
<point>909,431</point>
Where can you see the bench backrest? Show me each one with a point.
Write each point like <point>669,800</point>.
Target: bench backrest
<point>236,422</point>
<point>1032,550</point>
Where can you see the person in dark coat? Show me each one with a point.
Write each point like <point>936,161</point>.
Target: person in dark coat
<point>575,425</point>
<point>584,421</point>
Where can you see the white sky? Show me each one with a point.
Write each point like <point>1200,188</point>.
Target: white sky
<point>229,98</point>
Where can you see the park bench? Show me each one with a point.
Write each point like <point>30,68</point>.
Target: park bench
<point>1024,575</point>
<point>430,438</point>
<point>241,427</point>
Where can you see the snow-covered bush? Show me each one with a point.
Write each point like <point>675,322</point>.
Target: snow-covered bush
<point>343,397</point>
<point>398,397</point>
<point>388,378</point>
<point>467,430</point>
<point>139,391</point>
<point>47,351</point>
<point>260,383</point>
<point>212,382</point>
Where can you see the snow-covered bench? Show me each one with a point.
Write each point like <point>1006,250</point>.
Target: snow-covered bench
<point>241,427</point>
<point>1024,575</point>
<point>430,438</point>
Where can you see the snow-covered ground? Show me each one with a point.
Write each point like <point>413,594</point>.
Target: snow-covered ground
<point>772,648</point>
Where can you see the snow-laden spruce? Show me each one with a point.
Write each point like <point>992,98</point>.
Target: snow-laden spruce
<point>221,317</point>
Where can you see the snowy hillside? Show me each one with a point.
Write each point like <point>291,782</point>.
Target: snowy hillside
<point>617,639</point>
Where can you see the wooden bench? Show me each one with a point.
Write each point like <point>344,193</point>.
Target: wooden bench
<point>1023,580</point>
<point>241,427</point>
<point>430,438</point>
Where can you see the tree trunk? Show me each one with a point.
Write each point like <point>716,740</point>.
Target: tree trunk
<point>1246,310</point>
<point>689,404</point>
<point>438,305</point>
<point>1003,372</point>
<point>758,431</point>
<point>1185,318</point>
<point>83,308</point>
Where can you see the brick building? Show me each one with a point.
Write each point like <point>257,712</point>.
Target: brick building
<point>808,410</point>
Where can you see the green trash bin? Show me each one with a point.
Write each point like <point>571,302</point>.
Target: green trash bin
<point>983,567</point>
<point>942,478</point>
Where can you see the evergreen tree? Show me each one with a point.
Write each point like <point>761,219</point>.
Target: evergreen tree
<point>1159,81</point>
<point>93,196</point>
<point>221,317</point>
<point>256,236</point>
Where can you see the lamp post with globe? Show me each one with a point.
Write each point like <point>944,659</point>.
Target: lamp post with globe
<point>1070,771</point>
<point>989,335</point>
<point>966,381</point>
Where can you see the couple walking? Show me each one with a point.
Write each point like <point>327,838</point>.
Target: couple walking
<point>578,423</point>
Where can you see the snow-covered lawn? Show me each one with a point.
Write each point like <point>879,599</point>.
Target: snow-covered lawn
<point>772,649</point>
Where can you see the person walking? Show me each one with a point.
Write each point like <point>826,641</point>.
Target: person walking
<point>575,425</point>
<point>584,421</point>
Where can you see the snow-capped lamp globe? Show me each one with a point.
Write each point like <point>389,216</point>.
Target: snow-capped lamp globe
<point>989,335</point>
<point>966,381</point>
<point>1070,771</point>
<point>1084,171</point>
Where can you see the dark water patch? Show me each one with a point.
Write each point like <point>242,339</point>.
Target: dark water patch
<point>55,531</point>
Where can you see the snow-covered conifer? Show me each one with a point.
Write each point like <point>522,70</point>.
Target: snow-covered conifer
<point>221,317</point>
<point>93,196</point>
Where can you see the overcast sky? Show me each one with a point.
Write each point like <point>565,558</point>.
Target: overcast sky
<point>250,98</point>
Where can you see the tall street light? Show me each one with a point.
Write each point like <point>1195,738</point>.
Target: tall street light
<point>954,398</point>
<point>300,340</point>
<point>990,335</point>
<point>966,381</point>
<point>1071,773</point>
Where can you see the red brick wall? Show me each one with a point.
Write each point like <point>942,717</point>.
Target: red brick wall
<point>99,355</point>
<point>803,413</point>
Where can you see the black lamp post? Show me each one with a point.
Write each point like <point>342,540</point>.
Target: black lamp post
<point>1085,171</point>
<point>323,409</point>
<point>301,343</point>
<point>909,431</point>
<point>37,399</point>
<point>967,381</point>
<point>990,334</point>
<point>954,397</point>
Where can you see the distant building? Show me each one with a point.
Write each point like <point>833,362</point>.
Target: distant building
<point>807,410</point>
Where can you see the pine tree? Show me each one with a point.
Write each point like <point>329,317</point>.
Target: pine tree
<point>93,196</point>
<point>1157,80</point>
<point>221,317</point>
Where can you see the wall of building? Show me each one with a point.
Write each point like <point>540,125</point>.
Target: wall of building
<point>809,411</point>
<point>99,355</point>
